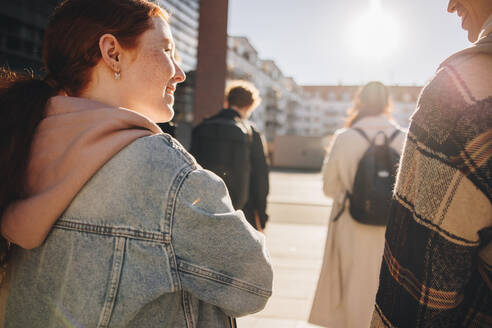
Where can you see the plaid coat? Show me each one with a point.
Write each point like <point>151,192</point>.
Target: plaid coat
<point>437,263</point>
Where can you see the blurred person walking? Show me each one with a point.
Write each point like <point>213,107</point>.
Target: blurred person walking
<point>437,266</point>
<point>109,222</point>
<point>229,145</point>
<point>348,280</point>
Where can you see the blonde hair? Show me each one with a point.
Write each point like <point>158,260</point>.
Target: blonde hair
<point>242,94</point>
<point>370,100</point>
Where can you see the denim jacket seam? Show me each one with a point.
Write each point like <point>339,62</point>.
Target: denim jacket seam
<point>188,159</point>
<point>221,278</point>
<point>169,218</point>
<point>113,231</point>
<point>115,277</point>
<point>187,309</point>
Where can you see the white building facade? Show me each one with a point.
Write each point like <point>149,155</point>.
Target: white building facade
<point>328,106</point>
<point>280,95</point>
<point>290,109</point>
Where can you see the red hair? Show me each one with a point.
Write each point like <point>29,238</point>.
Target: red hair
<point>71,42</point>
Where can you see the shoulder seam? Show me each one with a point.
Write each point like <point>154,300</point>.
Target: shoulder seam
<point>460,80</point>
<point>178,148</point>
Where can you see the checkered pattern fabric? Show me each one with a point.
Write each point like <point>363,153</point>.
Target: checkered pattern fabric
<point>437,264</point>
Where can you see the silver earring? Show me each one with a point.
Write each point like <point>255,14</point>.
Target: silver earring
<point>117,75</point>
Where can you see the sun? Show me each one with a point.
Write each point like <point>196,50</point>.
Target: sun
<point>374,34</point>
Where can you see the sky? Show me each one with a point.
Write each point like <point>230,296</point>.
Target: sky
<point>320,42</point>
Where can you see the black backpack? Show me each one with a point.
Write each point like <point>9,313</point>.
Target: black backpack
<point>374,181</point>
<point>223,147</point>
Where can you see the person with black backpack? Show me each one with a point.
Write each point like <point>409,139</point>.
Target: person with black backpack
<point>359,174</point>
<point>229,145</point>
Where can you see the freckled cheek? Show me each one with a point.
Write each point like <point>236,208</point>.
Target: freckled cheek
<point>155,72</point>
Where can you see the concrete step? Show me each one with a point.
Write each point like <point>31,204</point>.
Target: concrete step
<point>299,213</point>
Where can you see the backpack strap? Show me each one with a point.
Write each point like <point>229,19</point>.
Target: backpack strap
<point>363,134</point>
<point>393,136</point>
<point>347,195</point>
<point>389,140</point>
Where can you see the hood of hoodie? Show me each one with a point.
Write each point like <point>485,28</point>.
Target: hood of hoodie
<point>74,140</point>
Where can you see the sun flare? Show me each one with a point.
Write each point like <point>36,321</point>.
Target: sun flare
<point>374,34</point>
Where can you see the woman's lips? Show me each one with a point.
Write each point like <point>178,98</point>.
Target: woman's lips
<point>170,90</point>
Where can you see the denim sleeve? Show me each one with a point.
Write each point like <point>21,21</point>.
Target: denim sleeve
<point>221,259</point>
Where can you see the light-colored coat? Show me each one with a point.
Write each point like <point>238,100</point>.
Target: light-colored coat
<point>349,276</point>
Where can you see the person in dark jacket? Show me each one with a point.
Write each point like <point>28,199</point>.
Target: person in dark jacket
<point>229,145</point>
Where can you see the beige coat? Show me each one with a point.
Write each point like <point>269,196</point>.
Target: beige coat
<point>348,280</point>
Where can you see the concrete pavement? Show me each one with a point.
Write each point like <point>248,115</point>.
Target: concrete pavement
<point>295,236</point>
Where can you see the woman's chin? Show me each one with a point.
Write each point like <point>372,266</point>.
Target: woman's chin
<point>160,112</point>
<point>165,114</point>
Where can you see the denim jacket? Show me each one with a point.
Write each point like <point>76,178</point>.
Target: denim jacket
<point>152,240</point>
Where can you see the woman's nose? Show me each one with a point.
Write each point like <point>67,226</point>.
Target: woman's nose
<point>451,6</point>
<point>180,75</point>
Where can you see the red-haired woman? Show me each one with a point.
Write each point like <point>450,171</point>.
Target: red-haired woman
<point>348,280</point>
<point>107,221</point>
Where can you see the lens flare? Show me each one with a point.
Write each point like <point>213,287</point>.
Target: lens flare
<point>375,33</point>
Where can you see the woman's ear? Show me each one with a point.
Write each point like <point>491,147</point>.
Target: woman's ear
<point>110,52</point>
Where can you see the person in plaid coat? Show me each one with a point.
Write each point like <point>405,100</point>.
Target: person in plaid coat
<point>437,262</point>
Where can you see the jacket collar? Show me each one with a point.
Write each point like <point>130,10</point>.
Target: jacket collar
<point>229,113</point>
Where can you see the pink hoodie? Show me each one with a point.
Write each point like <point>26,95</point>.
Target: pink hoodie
<point>76,138</point>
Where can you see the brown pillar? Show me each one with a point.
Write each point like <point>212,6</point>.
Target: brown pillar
<point>212,63</point>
